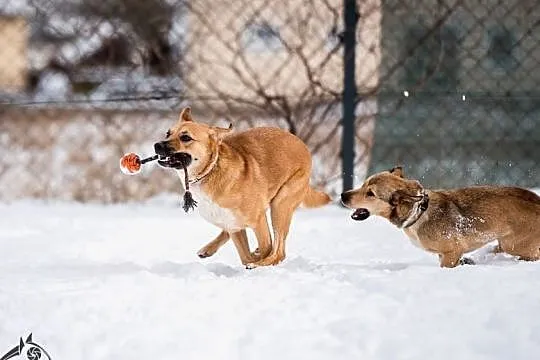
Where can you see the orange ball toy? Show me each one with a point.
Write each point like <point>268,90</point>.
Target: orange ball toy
<point>130,163</point>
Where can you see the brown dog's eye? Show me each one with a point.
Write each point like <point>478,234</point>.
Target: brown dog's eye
<point>168,133</point>
<point>185,138</point>
<point>370,193</point>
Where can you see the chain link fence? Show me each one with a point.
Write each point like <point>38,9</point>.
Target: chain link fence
<point>445,88</point>
<point>460,102</point>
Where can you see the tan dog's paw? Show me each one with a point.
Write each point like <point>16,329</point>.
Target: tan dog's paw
<point>206,251</point>
<point>256,256</point>
<point>272,259</point>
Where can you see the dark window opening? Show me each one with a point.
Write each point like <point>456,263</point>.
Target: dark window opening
<point>501,48</point>
<point>259,37</point>
<point>432,60</point>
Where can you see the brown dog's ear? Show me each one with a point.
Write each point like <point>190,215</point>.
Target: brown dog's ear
<point>404,196</point>
<point>185,114</point>
<point>222,132</point>
<point>397,170</point>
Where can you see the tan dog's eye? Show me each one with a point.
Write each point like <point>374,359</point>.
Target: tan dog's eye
<point>168,133</point>
<point>185,138</point>
<point>370,193</point>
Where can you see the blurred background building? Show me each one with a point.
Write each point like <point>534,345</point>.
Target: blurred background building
<point>447,88</point>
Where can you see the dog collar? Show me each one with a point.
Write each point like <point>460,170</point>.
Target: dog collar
<point>206,172</point>
<point>418,209</point>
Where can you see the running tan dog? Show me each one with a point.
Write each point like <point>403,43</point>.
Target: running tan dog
<point>451,223</point>
<point>235,178</point>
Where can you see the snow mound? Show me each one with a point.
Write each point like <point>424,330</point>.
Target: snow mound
<point>124,282</point>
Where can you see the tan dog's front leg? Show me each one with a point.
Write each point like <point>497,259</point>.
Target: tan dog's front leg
<point>213,246</point>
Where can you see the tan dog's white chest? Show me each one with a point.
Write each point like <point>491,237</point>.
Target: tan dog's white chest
<point>212,212</point>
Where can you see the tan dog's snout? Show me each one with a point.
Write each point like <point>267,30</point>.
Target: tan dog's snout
<point>169,157</point>
<point>163,148</point>
<point>190,145</point>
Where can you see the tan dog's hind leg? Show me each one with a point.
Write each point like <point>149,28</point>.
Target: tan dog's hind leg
<point>282,208</point>
<point>262,232</point>
<point>240,240</point>
<point>213,246</point>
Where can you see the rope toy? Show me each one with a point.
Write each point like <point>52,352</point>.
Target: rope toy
<point>130,164</point>
<point>189,202</point>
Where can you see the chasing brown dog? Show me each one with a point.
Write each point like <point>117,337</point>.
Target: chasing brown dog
<point>236,177</point>
<point>451,223</point>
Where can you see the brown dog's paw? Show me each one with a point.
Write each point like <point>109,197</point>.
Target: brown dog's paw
<point>466,261</point>
<point>529,258</point>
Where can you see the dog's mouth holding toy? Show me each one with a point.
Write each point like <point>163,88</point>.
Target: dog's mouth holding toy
<point>130,164</point>
<point>179,160</point>
<point>360,214</point>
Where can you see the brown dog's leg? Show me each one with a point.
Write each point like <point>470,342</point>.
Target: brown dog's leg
<point>450,259</point>
<point>497,249</point>
<point>526,247</point>
<point>213,246</point>
<point>530,254</point>
<point>242,246</point>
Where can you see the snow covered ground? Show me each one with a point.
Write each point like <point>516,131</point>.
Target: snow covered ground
<point>124,282</point>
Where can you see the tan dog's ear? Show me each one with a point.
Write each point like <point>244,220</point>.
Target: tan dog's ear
<point>220,132</point>
<point>404,196</point>
<point>397,170</point>
<point>185,114</point>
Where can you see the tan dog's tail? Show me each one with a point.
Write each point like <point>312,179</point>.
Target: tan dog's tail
<point>315,198</point>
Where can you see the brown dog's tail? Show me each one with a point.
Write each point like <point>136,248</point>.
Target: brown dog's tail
<point>315,198</point>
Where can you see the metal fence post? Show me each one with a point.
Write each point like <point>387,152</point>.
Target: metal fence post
<point>349,93</point>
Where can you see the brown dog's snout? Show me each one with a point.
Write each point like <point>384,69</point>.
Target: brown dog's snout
<point>163,148</point>
<point>360,214</point>
<point>345,197</point>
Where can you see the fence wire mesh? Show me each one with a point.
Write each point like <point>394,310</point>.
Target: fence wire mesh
<point>447,88</point>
